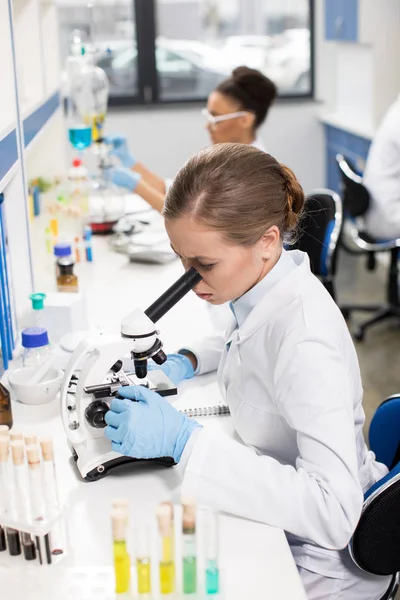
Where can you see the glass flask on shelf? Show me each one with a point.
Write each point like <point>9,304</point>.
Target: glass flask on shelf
<point>89,95</point>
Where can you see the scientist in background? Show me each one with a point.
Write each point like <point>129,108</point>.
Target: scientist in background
<point>382,178</point>
<point>287,368</point>
<point>235,110</point>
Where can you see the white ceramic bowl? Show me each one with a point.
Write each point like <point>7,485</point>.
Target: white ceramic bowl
<point>37,393</point>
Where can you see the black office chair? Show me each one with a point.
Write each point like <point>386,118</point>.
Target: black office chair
<point>356,201</point>
<point>375,545</point>
<point>319,234</point>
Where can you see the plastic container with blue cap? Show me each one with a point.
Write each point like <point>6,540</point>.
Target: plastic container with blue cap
<point>37,349</point>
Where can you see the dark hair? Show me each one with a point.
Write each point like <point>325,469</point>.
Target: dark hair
<point>251,89</point>
<point>238,190</point>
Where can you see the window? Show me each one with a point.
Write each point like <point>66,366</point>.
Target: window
<point>216,36</point>
<point>179,50</point>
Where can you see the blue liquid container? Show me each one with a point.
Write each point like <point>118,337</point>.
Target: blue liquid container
<point>212,578</point>
<point>80,137</point>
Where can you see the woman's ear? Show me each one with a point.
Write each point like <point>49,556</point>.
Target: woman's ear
<point>248,120</point>
<point>270,242</point>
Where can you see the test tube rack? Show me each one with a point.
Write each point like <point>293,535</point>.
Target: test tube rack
<point>41,532</point>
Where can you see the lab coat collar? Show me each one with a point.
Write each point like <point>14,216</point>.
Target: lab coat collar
<point>242,307</point>
<point>283,293</point>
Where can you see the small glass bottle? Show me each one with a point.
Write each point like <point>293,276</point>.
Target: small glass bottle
<point>67,281</point>
<point>6,417</point>
<point>37,349</point>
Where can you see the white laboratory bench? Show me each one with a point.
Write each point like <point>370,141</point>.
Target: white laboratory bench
<point>256,561</point>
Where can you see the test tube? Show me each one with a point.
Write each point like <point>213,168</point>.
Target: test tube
<point>21,494</point>
<point>3,458</point>
<point>30,440</point>
<point>13,541</point>
<point>51,493</point>
<point>4,430</point>
<point>189,546</point>
<point>119,518</point>
<point>211,523</point>
<point>143,565</point>
<point>167,570</point>
<point>15,434</point>
<point>36,497</point>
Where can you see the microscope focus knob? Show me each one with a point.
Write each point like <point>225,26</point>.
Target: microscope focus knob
<point>95,413</point>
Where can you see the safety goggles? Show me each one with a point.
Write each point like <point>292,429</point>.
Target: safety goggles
<point>215,120</point>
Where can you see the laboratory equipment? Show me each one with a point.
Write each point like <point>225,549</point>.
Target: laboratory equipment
<point>35,393</point>
<point>166,565</point>
<point>87,236</point>
<point>119,518</point>
<point>78,184</point>
<point>21,496</point>
<point>37,300</point>
<point>95,373</point>
<point>143,562</point>
<point>88,102</point>
<point>37,349</point>
<point>189,547</point>
<point>6,416</point>
<point>211,538</point>
<point>67,281</point>
<point>106,200</point>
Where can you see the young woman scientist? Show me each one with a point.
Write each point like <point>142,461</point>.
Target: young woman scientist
<point>235,110</point>
<point>287,368</point>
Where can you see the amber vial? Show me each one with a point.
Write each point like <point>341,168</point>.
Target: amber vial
<point>66,280</point>
<point>6,417</point>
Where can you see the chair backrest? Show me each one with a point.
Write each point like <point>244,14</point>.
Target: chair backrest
<point>355,195</point>
<point>375,545</point>
<point>319,231</point>
<point>384,432</point>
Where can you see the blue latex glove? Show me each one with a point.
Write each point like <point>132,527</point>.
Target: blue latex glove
<point>147,428</point>
<point>177,367</point>
<point>125,178</point>
<point>121,150</point>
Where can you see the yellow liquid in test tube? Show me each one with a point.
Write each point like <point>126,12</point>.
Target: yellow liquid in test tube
<point>167,567</point>
<point>122,567</point>
<point>143,575</point>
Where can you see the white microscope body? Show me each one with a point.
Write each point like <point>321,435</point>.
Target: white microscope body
<point>95,373</point>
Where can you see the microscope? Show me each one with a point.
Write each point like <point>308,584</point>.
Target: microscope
<point>96,371</point>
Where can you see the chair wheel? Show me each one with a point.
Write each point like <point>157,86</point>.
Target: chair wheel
<point>346,313</point>
<point>359,335</point>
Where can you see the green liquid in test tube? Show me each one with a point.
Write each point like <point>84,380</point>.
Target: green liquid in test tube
<point>189,547</point>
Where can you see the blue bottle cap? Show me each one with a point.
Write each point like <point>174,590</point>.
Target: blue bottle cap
<point>34,337</point>
<point>62,249</point>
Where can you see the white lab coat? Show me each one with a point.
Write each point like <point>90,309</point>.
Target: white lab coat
<point>382,178</point>
<point>291,378</point>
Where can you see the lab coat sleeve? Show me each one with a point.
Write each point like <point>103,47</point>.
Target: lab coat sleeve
<point>208,352</point>
<point>320,498</point>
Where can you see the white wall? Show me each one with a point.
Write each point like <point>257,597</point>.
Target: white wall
<point>164,138</point>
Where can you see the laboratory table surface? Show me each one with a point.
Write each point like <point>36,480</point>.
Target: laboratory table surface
<point>256,561</point>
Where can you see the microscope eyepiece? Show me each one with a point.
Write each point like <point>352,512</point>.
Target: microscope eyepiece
<point>160,357</point>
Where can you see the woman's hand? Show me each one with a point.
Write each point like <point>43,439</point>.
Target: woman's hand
<point>144,425</point>
<point>121,150</point>
<point>125,178</point>
<point>177,367</point>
